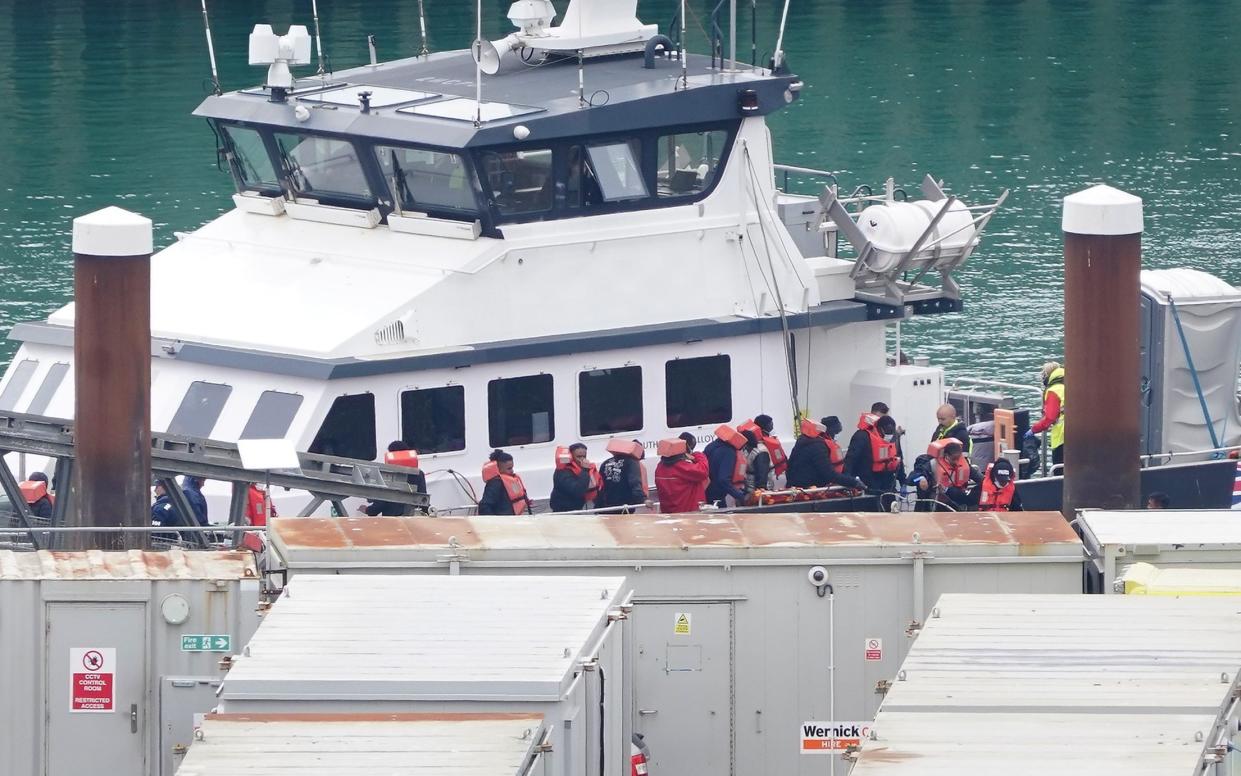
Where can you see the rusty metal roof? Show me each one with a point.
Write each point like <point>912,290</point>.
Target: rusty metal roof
<point>131,564</point>
<point>687,535</point>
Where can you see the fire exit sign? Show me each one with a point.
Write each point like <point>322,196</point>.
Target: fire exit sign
<point>207,642</point>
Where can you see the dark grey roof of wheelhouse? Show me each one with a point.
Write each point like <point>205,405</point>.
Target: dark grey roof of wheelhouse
<point>633,98</point>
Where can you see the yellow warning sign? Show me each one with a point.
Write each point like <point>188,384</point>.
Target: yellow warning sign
<point>682,626</point>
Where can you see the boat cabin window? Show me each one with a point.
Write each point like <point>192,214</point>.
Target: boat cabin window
<point>520,182</point>
<point>426,180</point>
<point>615,167</point>
<point>250,158</point>
<point>348,431</point>
<point>610,400</point>
<point>200,409</point>
<point>699,391</point>
<point>322,166</point>
<point>688,162</point>
<point>433,419</point>
<point>520,410</point>
<point>51,384</point>
<point>17,384</point>
<point>272,415</point>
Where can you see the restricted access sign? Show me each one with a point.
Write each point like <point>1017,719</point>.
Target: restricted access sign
<point>92,679</point>
<point>832,737</point>
<point>874,649</point>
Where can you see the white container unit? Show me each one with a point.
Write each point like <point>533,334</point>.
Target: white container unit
<point>731,642</point>
<point>1116,539</point>
<point>1033,685</point>
<point>551,646</point>
<point>367,745</point>
<point>97,674</point>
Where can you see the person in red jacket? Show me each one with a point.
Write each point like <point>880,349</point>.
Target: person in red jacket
<point>680,477</point>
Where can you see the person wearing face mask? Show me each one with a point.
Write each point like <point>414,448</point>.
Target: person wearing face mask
<point>999,489</point>
<point>874,457</point>
<point>575,482</point>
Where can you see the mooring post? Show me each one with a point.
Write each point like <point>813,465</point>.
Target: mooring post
<point>112,377</point>
<point>1102,263</point>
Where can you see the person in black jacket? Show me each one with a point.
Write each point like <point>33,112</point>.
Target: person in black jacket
<point>622,482</point>
<point>41,507</point>
<point>810,464</point>
<point>722,466</point>
<point>572,482</point>
<point>504,493</point>
<point>860,461</point>
<point>950,426</point>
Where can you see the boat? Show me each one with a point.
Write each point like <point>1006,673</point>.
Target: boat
<point>577,233</point>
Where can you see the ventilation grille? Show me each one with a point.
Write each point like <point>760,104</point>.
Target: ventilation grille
<point>394,333</point>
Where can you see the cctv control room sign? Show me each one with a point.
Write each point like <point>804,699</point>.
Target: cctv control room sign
<point>832,737</point>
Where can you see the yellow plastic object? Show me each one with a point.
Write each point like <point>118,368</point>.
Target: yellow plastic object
<point>1145,579</point>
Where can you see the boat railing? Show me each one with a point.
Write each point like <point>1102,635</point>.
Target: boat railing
<point>787,170</point>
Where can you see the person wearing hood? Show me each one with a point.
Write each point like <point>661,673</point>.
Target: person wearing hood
<point>576,481</point>
<point>762,426</point>
<point>680,476</point>
<point>1053,413</point>
<point>759,471</point>
<point>999,489</point>
<point>192,487</point>
<point>726,464</point>
<point>874,456</point>
<point>812,463</point>
<point>624,482</point>
<point>503,491</point>
<point>38,501</point>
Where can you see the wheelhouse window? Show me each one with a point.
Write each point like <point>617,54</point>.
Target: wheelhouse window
<point>520,410</point>
<point>322,166</point>
<point>427,181</point>
<point>616,170</point>
<point>688,162</point>
<point>250,159</point>
<point>610,400</point>
<point>51,384</point>
<point>699,391</point>
<point>17,383</point>
<point>348,431</point>
<point>519,182</point>
<point>200,409</point>
<point>433,419</point>
<point>272,415</point>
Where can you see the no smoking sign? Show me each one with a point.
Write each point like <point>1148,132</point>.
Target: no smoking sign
<point>874,649</point>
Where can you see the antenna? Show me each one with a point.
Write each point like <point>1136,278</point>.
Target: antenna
<point>753,33</point>
<point>581,81</point>
<point>777,59</point>
<point>215,75</point>
<point>370,47</point>
<point>314,10</point>
<point>732,35</point>
<point>478,64</point>
<point>684,64</point>
<point>422,22</point>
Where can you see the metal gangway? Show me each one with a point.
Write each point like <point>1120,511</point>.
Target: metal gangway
<point>326,478</point>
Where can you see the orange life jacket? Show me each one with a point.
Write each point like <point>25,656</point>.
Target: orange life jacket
<point>407,458</point>
<point>779,461</point>
<point>833,451</point>
<point>564,460</point>
<point>736,440</point>
<point>33,490</point>
<point>883,456</point>
<point>996,499</point>
<point>948,475</point>
<point>513,486</point>
<point>671,448</point>
<point>254,507</point>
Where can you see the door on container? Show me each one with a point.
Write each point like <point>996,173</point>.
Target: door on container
<point>683,686</point>
<point>183,700</point>
<point>94,689</point>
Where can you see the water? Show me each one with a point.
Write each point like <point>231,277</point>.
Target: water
<point>1042,98</point>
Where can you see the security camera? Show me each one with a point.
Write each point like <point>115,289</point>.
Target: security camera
<point>817,576</point>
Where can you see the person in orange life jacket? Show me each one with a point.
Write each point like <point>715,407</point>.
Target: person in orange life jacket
<point>576,481</point>
<point>726,465</point>
<point>953,476</point>
<point>41,506</point>
<point>831,429</point>
<point>874,455</point>
<point>759,472</point>
<point>254,506</point>
<point>504,493</point>
<point>879,408</point>
<point>762,426</point>
<point>811,462</point>
<point>623,479</point>
<point>999,489</point>
<point>680,476</point>
<point>393,508</point>
<point>691,443</point>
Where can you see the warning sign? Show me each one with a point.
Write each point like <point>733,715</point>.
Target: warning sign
<point>682,624</point>
<point>874,649</point>
<point>92,679</point>
<point>832,737</point>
